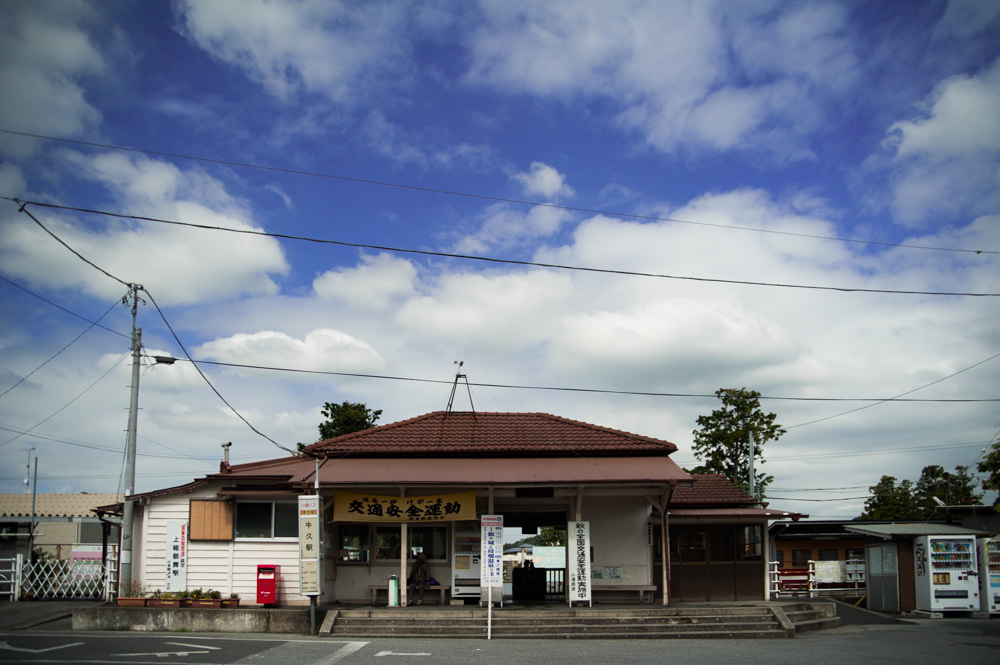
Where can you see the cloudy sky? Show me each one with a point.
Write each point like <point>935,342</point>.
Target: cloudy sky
<point>799,198</point>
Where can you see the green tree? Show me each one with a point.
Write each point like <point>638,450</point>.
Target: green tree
<point>722,444</point>
<point>990,465</point>
<point>346,418</point>
<point>889,501</point>
<point>953,489</point>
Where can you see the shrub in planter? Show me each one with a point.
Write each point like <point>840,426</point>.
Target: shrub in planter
<point>132,594</point>
<point>232,601</point>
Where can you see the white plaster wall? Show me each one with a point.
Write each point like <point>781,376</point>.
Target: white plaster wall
<point>618,537</point>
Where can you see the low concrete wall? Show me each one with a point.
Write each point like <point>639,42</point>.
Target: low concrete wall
<point>168,619</point>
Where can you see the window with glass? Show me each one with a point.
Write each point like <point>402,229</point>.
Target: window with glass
<point>829,555</point>
<point>855,555</point>
<point>431,540</point>
<point>751,545</point>
<point>800,558</point>
<point>352,542</point>
<point>267,519</point>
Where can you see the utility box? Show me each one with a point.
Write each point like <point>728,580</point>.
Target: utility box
<point>267,584</point>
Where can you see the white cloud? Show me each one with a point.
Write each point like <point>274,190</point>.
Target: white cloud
<point>505,226</point>
<point>313,46</point>
<point>544,180</point>
<point>322,350</point>
<point>44,52</point>
<point>176,264</point>
<point>672,67</point>
<point>946,164</point>
<point>963,117</point>
<point>377,284</point>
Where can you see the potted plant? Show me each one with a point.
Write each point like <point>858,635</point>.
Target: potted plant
<point>208,598</point>
<point>184,597</point>
<point>232,601</point>
<point>132,594</point>
<point>164,599</point>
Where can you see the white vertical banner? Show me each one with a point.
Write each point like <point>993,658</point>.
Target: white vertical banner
<point>176,555</point>
<point>310,545</point>
<point>578,561</point>
<point>491,550</point>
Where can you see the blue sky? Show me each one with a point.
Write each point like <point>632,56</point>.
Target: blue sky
<point>851,145</point>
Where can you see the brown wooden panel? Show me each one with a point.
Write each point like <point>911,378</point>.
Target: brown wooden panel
<point>750,580</point>
<point>211,520</point>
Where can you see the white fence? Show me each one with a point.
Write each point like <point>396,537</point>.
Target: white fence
<point>818,578</point>
<point>56,578</point>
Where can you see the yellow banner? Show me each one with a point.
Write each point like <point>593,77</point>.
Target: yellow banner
<point>351,507</point>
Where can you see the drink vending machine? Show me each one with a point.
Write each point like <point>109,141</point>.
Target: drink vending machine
<point>989,574</point>
<point>465,560</point>
<point>946,573</point>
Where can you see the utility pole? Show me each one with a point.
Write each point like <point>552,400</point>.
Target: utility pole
<point>125,558</point>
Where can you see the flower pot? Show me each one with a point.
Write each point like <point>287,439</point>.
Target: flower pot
<point>206,603</point>
<point>164,602</point>
<point>230,602</point>
<point>131,602</point>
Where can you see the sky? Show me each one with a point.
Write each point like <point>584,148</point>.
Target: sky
<point>605,211</point>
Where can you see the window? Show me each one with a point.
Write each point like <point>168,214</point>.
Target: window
<point>779,556</point>
<point>90,533</point>
<point>352,543</point>
<point>829,555</point>
<point>750,544</point>
<point>267,519</point>
<point>856,555</point>
<point>431,540</point>
<point>800,558</point>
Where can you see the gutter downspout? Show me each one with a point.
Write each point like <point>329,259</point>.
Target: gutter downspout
<point>665,536</point>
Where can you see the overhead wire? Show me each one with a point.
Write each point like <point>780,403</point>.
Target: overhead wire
<point>57,353</point>
<point>23,208</point>
<point>486,197</point>
<point>603,391</point>
<point>488,259</point>
<point>58,306</point>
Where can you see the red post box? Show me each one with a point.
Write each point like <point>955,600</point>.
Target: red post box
<point>267,584</point>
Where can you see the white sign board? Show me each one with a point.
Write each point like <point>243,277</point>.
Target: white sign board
<point>310,545</point>
<point>548,557</point>
<point>830,572</point>
<point>176,555</point>
<point>578,558</point>
<point>491,550</point>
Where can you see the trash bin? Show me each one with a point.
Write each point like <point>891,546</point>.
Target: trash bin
<point>393,591</point>
<point>267,584</point>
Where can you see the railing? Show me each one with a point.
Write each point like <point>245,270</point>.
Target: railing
<point>555,581</point>
<point>818,578</point>
<point>10,578</point>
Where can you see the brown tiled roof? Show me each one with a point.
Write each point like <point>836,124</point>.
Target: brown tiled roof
<point>711,490</point>
<point>54,505</point>
<point>468,434</point>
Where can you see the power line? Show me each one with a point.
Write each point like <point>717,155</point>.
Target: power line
<point>58,306</point>
<point>487,197</point>
<point>897,397</point>
<point>473,257</point>
<point>603,391</point>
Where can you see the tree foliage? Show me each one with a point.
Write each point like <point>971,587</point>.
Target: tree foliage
<point>915,501</point>
<point>346,418</point>
<point>990,465</point>
<point>722,444</point>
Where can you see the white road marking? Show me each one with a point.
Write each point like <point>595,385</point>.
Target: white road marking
<point>194,646</point>
<point>160,654</point>
<point>343,652</point>
<point>391,653</point>
<point>4,645</point>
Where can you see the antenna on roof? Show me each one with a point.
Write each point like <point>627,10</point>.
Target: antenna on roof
<point>454,387</point>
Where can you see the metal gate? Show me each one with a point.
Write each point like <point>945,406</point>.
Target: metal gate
<point>54,578</point>
<point>9,576</point>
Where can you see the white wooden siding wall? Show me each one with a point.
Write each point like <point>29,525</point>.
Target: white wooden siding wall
<point>226,566</point>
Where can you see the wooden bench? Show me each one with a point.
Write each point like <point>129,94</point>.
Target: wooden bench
<point>641,588</point>
<point>375,588</point>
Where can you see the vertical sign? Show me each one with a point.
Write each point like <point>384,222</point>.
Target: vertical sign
<point>176,555</point>
<point>491,550</point>
<point>310,545</point>
<point>578,560</point>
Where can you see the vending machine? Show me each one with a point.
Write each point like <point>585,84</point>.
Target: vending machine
<point>465,560</point>
<point>989,574</point>
<point>946,573</point>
